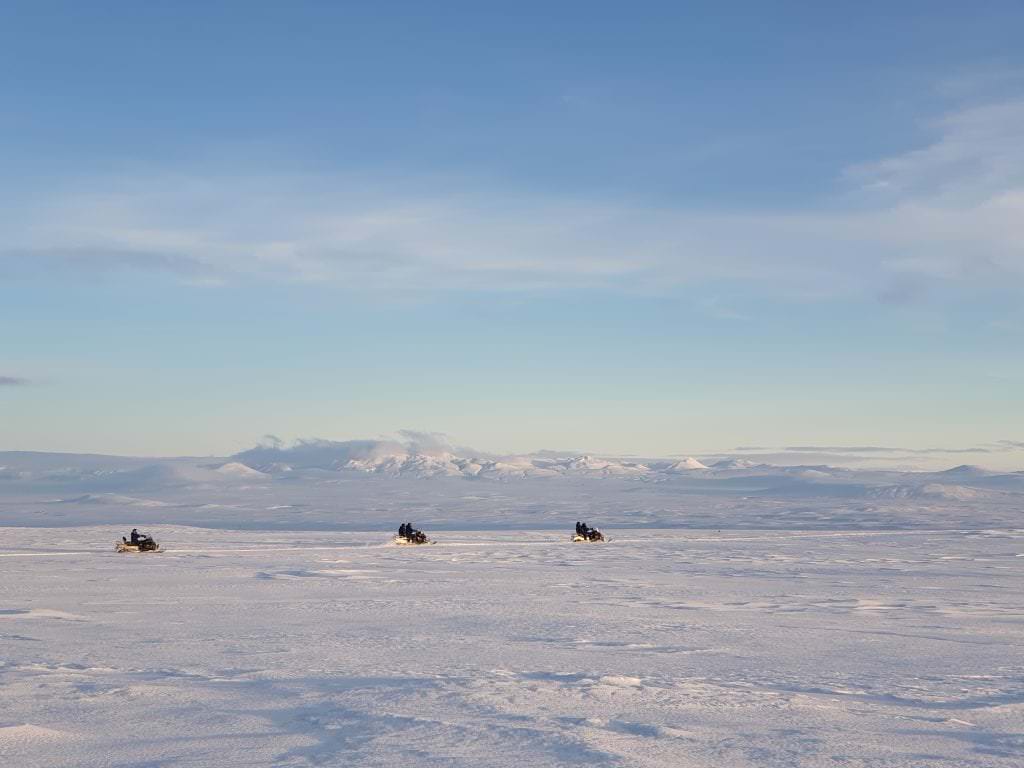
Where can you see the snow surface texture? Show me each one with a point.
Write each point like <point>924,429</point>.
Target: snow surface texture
<point>741,615</point>
<point>683,648</point>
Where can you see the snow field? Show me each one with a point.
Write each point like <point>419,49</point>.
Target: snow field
<point>696,648</point>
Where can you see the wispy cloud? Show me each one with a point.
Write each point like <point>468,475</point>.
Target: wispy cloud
<point>950,211</point>
<point>883,456</point>
<point>879,449</point>
<point>976,157</point>
<point>991,448</point>
<point>13,381</point>
<point>97,259</point>
<point>426,442</point>
<point>1011,445</point>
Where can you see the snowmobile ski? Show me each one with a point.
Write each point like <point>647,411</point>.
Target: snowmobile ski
<point>594,536</point>
<point>145,546</point>
<point>139,542</point>
<point>406,541</point>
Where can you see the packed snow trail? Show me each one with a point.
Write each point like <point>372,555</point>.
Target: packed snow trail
<point>678,535</point>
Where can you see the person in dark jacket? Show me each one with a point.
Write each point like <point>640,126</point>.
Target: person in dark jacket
<point>135,536</point>
<point>401,530</point>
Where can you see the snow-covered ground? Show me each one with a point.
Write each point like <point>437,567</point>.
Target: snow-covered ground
<point>744,614</point>
<point>805,646</point>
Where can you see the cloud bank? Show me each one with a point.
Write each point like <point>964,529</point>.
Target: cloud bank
<point>873,455</point>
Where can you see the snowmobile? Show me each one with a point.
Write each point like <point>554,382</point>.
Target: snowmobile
<point>144,544</point>
<point>416,537</point>
<point>592,535</point>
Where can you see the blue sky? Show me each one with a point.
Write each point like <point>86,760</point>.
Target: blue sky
<point>655,229</point>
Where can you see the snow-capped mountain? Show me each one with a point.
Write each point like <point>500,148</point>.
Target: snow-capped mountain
<point>396,459</point>
<point>965,471</point>
<point>734,463</point>
<point>237,469</point>
<point>97,479</point>
<point>689,464</point>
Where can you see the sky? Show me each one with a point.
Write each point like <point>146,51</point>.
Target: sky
<point>647,228</point>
